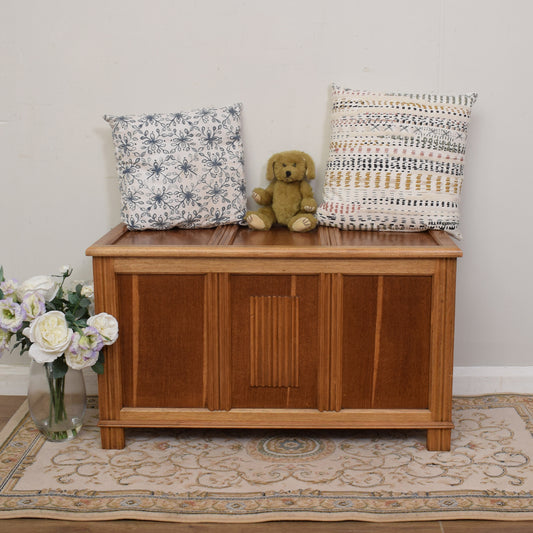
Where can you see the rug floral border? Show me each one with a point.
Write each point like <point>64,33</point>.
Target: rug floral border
<point>21,443</point>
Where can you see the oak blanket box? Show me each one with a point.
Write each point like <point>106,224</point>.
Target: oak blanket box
<point>233,328</point>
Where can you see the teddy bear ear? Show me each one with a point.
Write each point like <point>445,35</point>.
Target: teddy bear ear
<point>310,166</point>
<point>270,167</point>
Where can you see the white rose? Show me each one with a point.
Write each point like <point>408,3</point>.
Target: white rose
<point>87,291</point>
<point>50,336</point>
<point>106,325</point>
<point>43,284</point>
<point>65,269</point>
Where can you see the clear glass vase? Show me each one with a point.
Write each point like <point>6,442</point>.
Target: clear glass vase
<point>56,405</point>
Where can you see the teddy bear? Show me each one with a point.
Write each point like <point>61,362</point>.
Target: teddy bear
<point>288,200</point>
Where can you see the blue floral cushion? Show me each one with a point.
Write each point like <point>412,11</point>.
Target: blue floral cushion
<point>180,169</point>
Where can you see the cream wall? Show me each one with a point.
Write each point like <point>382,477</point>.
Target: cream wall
<point>66,63</point>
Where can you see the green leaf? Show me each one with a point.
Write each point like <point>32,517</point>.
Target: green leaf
<point>73,298</point>
<point>80,313</point>
<point>2,274</point>
<point>98,367</point>
<point>1,294</point>
<point>59,368</point>
<point>22,341</point>
<point>85,302</point>
<point>16,345</point>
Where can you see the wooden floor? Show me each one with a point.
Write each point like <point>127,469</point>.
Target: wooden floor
<point>9,404</point>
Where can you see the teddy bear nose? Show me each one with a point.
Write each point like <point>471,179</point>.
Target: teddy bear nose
<point>287,173</point>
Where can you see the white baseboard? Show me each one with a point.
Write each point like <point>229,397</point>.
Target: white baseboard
<point>467,380</point>
<point>475,380</point>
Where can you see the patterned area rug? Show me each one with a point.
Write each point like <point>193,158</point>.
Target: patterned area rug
<point>253,476</point>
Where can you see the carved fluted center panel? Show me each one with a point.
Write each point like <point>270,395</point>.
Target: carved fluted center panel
<point>274,341</point>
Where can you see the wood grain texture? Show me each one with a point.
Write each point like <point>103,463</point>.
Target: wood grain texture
<point>386,341</point>
<point>224,319</point>
<point>110,382</point>
<point>112,438</point>
<point>402,374</point>
<point>269,290</point>
<point>338,298</point>
<point>232,241</point>
<point>358,321</point>
<point>276,417</point>
<point>212,366</point>
<point>274,341</point>
<point>441,369</point>
<point>165,363</point>
<point>377,338</point>
<point>325,334</point>
<point>354,327</point>
<point>111,238</point>
<point>255,264</point>
<point>223,235</point>
<point>29,525</point>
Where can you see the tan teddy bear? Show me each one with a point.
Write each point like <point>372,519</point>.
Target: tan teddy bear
<point>288,200</point>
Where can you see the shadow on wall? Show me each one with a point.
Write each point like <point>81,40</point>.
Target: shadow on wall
<point>112,183</point>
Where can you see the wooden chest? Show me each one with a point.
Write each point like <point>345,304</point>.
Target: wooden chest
<point>228,327</point>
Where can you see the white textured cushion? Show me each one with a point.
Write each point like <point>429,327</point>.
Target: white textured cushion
<point>180,169</point>
<point>395,161</point>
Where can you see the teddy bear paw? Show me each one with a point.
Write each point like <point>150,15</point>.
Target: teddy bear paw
<point>255,222</point>
<point>301,224</point>
<point>309,205</point>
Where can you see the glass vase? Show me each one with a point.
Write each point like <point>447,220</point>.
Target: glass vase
<point>56,405</point>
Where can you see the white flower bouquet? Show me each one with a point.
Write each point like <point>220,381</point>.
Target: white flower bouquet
<point>56,326</point>
<point>53,324</point>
